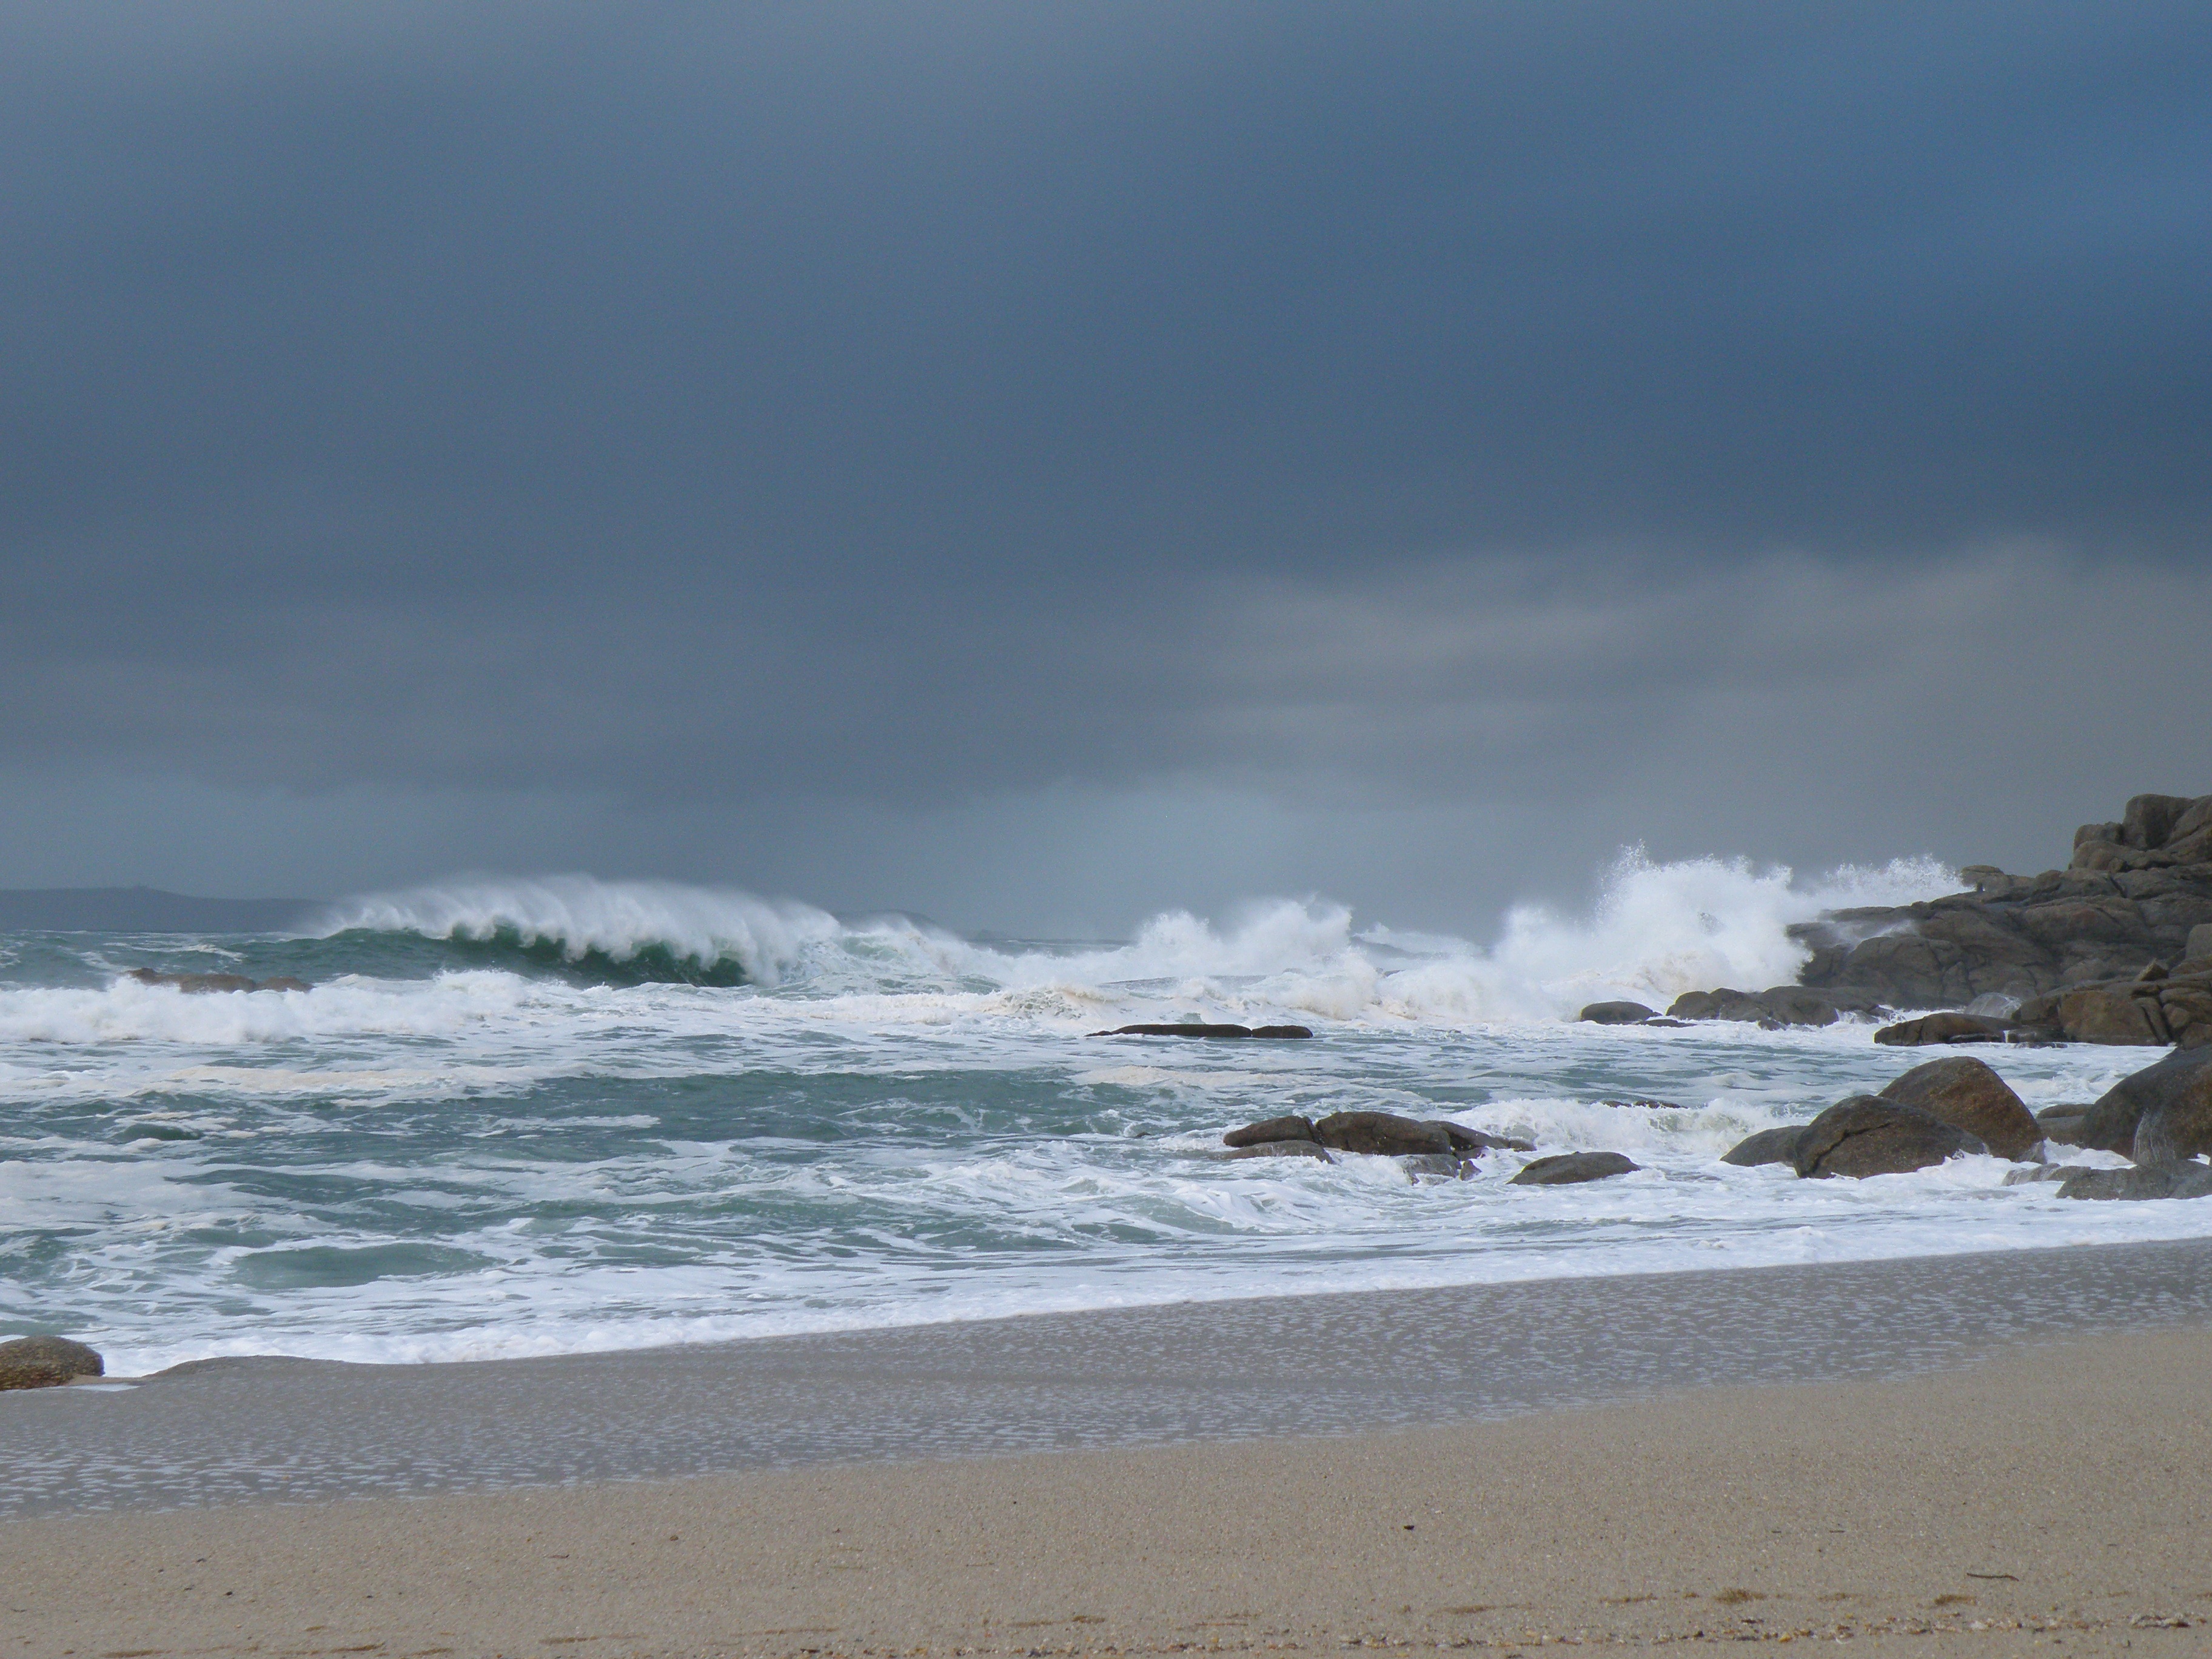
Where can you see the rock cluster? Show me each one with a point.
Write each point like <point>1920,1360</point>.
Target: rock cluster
<point>206,983</point>
<point>45,1362</point>
<point>1425,1147</point>
<point>2137,891</point>
<point>2160,1117</point>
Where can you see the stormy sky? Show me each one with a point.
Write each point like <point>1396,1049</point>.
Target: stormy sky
<point>1035,464</point>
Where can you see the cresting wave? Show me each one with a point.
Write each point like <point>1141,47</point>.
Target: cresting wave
<point>1656,930</point>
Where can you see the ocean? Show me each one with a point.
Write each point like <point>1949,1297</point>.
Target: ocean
<point>525,1117</point>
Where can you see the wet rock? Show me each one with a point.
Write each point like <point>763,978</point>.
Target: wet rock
<point>1475,1142</point>
<point>1616,1013</point>
<point>45,1362</point>
<point>1942,1028</point>
<point>2170,1180</point>
<point>2198,941</point>
<point>1278,1149</point>
<point>1273,1128</point>
<point>1647,1105</point>
<point>1193,1029</point>
<point>1865,1136</point>
<point>1381,1133</point>
<point>1567,1168</point>
<point>2110,1124</point>
<point>284,982</point>
<point>2037,1173</point>
<point>2062,1125</point>
<point>1777,1006</point>
<point>2100,1013</point>
<point>1767,1147</point>
<point>1967,1095</point>
<point>2178,1125</point>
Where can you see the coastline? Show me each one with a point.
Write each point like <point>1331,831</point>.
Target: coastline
<point>2052,1497</point>
<point>256,1430</point>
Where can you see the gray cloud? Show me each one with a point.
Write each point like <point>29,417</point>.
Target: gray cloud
<point>781,445</point>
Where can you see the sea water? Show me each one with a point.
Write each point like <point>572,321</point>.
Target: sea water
<point>530,1117</point>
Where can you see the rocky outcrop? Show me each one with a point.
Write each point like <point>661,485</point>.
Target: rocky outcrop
<point>1616,1013</point>
<point>2134,893</point>
<point>1767,1147</point>
<point>2062,1125</point>
<point>1865,1136</point>
<point>203,983</point>
<point>1569,1169</point>
<point>1965,1093</point>
<point>45,1362</point>
<point>2110,1124</point>
<point>1193,1029</point>
<point>2155,1007</point>
<point>1771,1009</point>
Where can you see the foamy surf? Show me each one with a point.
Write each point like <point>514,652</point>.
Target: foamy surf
<point>517,1117</point>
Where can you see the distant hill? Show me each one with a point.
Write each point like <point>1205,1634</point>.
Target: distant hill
<point>143,910</point>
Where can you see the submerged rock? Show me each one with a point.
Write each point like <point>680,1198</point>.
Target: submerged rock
<point>1566,1169</point>
<point>1864,1136</point>
<point>1193,1029</point>
<point>2170,1180</point>
<point>1616,1013</point>
<point>1778,1146</point>
<point>1382,1133</point>
<point>1437,1165</point>
<point>47,1362</point>
<point>201,983</point>
<point>1967,1095</point>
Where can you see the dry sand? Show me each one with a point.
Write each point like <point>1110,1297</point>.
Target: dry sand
<point>2056,1498</point>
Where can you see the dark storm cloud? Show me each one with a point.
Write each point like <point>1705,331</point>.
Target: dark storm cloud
<point>900,403</point>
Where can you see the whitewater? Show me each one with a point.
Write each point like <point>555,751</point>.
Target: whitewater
<point>553,1115</point>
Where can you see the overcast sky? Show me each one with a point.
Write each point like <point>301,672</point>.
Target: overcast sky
<point>1035,464</point>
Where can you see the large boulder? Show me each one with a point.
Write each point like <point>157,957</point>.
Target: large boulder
<point>1776,1006</point>
<point>2172,1181</point>
<point>1941,1028</point>
<point>1865,1136</point>
<point>1965,1093</point>
<point>1616,1013</point>
<point>1381,1133</point>
<point>2178,1125</point>
<point>1567,1168</point>
<point>1273,1128</point>
<point>2110,1126</point>
<point>45,1362</point>
<point>1767,1147</point>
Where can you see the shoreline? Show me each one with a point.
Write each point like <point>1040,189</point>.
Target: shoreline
<point>2051,1498</point>
<point>225,1432</point>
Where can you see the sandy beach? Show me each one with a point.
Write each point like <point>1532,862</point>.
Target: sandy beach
<point>2056,1497</point>
<point>1990,1453</point>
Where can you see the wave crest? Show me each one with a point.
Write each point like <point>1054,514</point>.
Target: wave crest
<point>629,930</point>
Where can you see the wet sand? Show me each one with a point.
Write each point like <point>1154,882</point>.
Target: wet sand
<point>1998,1454</point>
<point>2055,1499</point>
